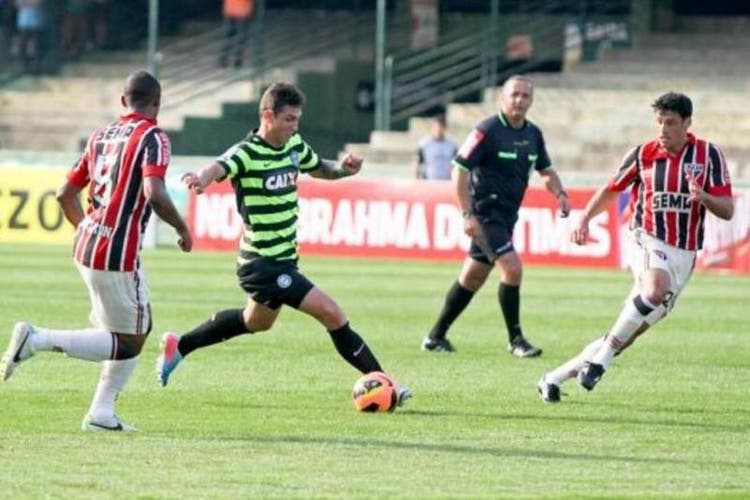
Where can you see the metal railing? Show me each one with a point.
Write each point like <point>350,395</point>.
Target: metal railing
<point>191,66</point>
<point>458,67</point>
<point>466,61</point>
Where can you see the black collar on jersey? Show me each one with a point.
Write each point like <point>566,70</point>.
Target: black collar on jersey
<point>504,121</point>
<point>253,136</point>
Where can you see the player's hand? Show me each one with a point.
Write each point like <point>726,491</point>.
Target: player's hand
<point>564,205</point>
<point>580,233</point>
<point>192,182</point>
<point>696,191</point>
<point>184,240</point>
<point>351,163</point>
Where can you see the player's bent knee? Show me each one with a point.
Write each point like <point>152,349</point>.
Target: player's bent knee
<point>128,346</point>
<point>255,326</point>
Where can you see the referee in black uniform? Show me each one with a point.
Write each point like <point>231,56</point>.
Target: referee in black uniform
<point>491,175</point>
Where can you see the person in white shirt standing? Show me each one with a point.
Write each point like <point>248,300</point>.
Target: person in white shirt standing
<point>435,153</point>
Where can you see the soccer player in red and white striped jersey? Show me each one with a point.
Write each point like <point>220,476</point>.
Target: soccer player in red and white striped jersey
<point>123,166</point>
<point>673,180</point>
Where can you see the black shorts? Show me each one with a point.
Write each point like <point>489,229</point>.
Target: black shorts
<point>496,240</point>
<point>273,282</point>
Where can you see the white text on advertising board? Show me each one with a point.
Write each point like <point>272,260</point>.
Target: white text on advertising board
<point>404,225</point>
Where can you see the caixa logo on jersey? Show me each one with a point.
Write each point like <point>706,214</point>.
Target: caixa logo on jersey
<point>692,170</point>
<point>281,181</point>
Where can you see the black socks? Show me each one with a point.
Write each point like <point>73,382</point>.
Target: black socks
<point>354,349</point>
<point>510,304</point>
<point>222,326</point>
<point>456,301</point>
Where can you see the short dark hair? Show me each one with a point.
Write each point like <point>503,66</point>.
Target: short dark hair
<point>281,94</point>
<point>141,88</point>
<point>674,101</point>
<point>439,119</point>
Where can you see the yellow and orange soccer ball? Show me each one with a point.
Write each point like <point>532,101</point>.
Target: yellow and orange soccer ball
<point>375,391</point>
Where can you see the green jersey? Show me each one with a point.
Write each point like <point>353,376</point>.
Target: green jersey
<point>264,179</point>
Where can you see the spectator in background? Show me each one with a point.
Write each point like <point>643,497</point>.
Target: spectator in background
<point>30,25</point>
<point>237,15</point>
<point>435,153</point>
<point>100,23</point>
<point>75,27</point>
<point>7,26</point>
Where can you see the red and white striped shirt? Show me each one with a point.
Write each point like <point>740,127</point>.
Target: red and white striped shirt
<point>659,197</point>
<point>116,159</point>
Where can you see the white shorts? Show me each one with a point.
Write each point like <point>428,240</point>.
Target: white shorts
<point>119,300</point>
<point>648,252</point>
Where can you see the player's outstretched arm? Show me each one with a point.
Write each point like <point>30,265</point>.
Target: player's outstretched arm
<point>350,164</point>
<point>198,181</point>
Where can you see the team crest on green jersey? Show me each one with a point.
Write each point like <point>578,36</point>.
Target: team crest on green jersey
<point>294,156</point>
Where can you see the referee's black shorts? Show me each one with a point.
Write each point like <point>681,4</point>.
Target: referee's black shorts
<point>495,240</point>
<point>274,282</point>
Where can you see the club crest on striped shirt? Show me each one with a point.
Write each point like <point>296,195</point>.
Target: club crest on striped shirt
<point>692,170</point>
<point>294,156</point>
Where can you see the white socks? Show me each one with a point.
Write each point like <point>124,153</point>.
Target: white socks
<point>570,369</point>
<point>631,319</point>
<point>90,344</point>
<point>114,376</point>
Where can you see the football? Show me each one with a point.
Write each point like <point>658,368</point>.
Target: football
<point>375,391</point>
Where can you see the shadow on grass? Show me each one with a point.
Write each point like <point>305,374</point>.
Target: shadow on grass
<point>608,419</point>
<point>492,451</point>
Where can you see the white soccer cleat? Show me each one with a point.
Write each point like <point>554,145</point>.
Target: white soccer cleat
<point>549,392</point>
<point>112,424</point>
<point>19,349</point>
<point>404,394</point>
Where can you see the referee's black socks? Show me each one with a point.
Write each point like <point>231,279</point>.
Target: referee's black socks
<point>456,301</point>
<point>354,349</point>
<point>220,327</point>
<point>510,304</point>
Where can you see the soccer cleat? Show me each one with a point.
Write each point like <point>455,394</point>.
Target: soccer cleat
<point>522,348</point>
<point>404,393</point>
<point>437,345</point>
<point>113,424</point>
<point>169,358</point>
<point>19,349</point>
<point>550,393</point>
<point>590,375</point>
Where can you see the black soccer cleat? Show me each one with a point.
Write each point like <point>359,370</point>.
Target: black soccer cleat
<point>437,345</point>
<point>550,393</point>
<point>522,348</point>
<point>590,375</point>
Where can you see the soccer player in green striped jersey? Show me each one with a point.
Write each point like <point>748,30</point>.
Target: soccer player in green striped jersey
<point>263,169</point>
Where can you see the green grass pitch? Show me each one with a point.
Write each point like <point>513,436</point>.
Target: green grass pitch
<point>270,415</point>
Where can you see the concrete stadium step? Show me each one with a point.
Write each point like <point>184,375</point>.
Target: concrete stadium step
<point>375,155</point>
<point>730,40</point>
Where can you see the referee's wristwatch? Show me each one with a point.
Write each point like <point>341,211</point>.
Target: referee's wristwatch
<point>466,214</point>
